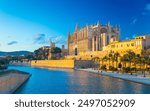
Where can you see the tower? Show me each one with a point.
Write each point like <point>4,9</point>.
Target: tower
<point>76,29</point>
<point>98,24</point>
<point>109,26</point>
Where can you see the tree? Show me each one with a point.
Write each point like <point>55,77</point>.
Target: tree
<point>55,50</point>
<point>29,57</point>
<point>41,54</point>
<point>130,56</point>
<point>104,59</point>
<point>135,61</point>
<point>109,57</point>
<point>3,63</point>
<point>146,55</point>
<point>116,55</point>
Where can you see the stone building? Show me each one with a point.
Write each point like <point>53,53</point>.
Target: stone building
<point>136,45</point>
<point>92,38</point>
<point>99,40</point>
<point>61,55</point>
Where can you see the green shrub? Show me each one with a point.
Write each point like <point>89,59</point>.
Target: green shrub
<point>103,67</point>
<point>127,69</point>
<point>133,69</point>
<point>3,67</point>
<point>111,68</point>
<point>83,67</point>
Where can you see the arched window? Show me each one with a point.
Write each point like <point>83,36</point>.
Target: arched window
<point>76,51</point>
<point>103,30</point>
<point>94,38</point>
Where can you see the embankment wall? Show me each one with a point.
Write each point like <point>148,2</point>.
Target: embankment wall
<point>53,63</point>
<point>63,63</point>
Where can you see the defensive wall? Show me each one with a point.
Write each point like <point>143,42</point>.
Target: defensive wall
<point>63,63</point>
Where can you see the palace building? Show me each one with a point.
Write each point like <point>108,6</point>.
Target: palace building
<point>92,38</point>
<point>136,45</point>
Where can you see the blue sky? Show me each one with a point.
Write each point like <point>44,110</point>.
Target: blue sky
<point>30,24</point>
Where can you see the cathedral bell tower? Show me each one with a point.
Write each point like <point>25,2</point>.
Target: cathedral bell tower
<point>77,28</point>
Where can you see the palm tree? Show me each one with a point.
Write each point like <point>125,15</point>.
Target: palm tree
<point>146,55</point>
<point>124,59</point>
<point>143,63</point>
<point>104,59</point>
<point>135,61</point>
<point>112,59</point>
<point>130,56</point>
<point>148,63</point>
<point>116,55</point>
<point>109,57</point>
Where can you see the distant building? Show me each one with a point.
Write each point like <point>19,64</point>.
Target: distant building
<point>63,53</point>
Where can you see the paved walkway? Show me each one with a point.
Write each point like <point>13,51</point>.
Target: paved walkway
<point>11,80</point>
<point>135,78</point>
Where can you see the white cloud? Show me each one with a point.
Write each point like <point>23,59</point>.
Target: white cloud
<point>134,21</point>
<point>133,36</point>
<point>41,39</point>
<point>58,40</point>
<point>146,9</point>
<point>12,43</point>
<point>127,38</point>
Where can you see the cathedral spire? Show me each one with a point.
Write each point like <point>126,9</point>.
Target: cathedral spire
<point>98,23</point>
<point>76,29</point>
<point>69,34</point>
<point>109,24</point>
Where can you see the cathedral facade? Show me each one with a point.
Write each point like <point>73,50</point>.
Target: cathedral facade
<point>92,38</point>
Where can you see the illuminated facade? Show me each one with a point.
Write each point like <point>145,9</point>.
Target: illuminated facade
<point>99,40</point>
<point>136,45</point>
<point>91,38</point>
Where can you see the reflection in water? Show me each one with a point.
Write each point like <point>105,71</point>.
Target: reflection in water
<point>67,81</point>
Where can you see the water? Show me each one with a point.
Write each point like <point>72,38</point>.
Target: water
<point>53,81</point>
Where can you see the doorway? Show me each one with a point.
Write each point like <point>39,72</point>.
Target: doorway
<point>76,51</point>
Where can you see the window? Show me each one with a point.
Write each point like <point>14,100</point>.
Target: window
<point>108,40</point>
<point>132,44</point>
<point>94,38</point>
<point>112,46</point>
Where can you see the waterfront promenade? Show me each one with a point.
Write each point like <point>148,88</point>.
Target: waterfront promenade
<point>11,80</point>
<point>139,78</point>
<point>69,81</point>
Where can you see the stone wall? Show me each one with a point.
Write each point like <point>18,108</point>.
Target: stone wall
<point>63,63</point>
<point>53,63</point>
<point>11,80</point>
<point>84,64</point>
